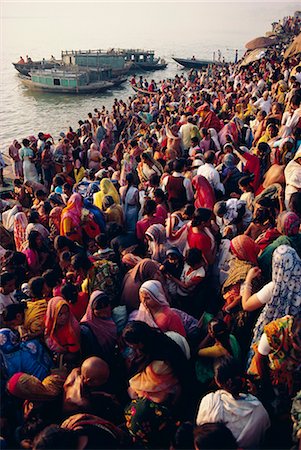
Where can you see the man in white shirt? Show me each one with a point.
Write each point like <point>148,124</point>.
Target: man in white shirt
<point>186,132</point>
<point>210,173</point>
<point>264,103</point>
<point>243,414</point>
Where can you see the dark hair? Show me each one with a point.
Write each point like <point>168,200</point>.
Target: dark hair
<point>221,333</point>
<point>81,261</point>
<point>193,256</point>
<point>201,215</point>
<point>26,142</point>
<point>149,207</point>
<point>10,312</point>
<point>130,178</point>
<point>154,179</point>
<point>70,292</point>
<point>295,203</point>
<point>100,301</point>
<point>102,240</point>
<point>62,241</point>
<point>52,277</point>
<point>214,436</point>
<point>156,346</point>
<point>58,181</point>
<point>183,437</point>
<point>226,368</point>
<point>33,235</point>
<point>67,186</point>
<point>159,193</point>
<point>6,277</point>
<point>178,165</point>
<point>33,216</point>
<point>55,437</point>
<point>209,157</point>
<point>36,286</point>
<point>189,210</point>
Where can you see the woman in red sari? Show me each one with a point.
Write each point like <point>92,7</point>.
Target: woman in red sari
<point>204,196</point>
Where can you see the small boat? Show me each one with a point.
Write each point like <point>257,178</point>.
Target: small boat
<point>157,64</point>
<point>195,63</point>
<point>24,69</point>
<point>63,81</point>
<point>144,91</point>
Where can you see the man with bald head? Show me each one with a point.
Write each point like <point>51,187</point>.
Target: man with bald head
<point>85,391</point>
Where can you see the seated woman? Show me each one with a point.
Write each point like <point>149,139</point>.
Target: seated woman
<point>113,212</point>
<point>144,270</point>
<point>277,357</point>
<point>219,342</point>
<point>280,296</point>
<point>37,254</point>
<point>157,242</point>
<point>98,330</point>
<point>245,252</point>
<point>172,265</point>
<point>154,309</point>
<point>30,356</point>
<point>243,413</point>
<point>147,167</point>
<point>262,227</point>
<point>106,188</point>
<point>62,332</point>
<point>190,283</point>
<point>158,366</point>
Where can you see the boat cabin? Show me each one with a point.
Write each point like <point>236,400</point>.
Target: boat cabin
<point>93,59</point>
<point>138,56</point>
<point>67,78</point>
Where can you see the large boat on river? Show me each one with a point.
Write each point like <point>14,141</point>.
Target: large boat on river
<point>193,63</point>
<point>72,80</point>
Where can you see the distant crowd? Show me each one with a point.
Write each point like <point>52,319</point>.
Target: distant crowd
<point>150,268</point>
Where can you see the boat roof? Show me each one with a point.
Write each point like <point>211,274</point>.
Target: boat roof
<point>70,71</point>
<point>112,51</point>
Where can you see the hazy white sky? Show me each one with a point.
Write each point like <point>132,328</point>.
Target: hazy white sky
<point>41,28</point>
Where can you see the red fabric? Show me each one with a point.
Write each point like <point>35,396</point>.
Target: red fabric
<point>267,238</point>
<point>175,189</point>
<point>244,248</point>
<point>143,224</point>
<point>161,212</point>
<point>205,197</point>
<point>200,241</point>
<point>78,309</point>
<point>253,166</point>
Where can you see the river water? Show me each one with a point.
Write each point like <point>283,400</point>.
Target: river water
<point>24,112</point>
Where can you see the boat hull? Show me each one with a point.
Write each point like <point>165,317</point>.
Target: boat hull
<point>195,64</point>
<point>24,69</point>
<point>148,67</point>
<point>88,89</point>
<point>144,91</point>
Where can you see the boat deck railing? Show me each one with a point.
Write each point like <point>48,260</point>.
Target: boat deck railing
<point>70,71</point>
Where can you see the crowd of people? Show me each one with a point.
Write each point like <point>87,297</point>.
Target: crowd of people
<point>150,269</point>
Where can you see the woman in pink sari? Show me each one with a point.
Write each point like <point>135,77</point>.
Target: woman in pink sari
<point>71,218</point>
<point>204,195</point>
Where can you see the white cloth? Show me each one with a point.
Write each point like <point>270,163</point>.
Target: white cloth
<point>265,294</point>
<point>212,175</point>
<point>264,346</point>
<point>245,416</point>
<point>292,175</point>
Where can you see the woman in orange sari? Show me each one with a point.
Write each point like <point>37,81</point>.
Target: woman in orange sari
<point>62,331</point>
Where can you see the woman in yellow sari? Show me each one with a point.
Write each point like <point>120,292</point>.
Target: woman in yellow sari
<point>106,188</point>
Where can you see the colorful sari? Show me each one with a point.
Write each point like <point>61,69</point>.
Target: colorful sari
<point>71,217</point>
<point>286,297</point>
<point>107,188</point>
<point>27,387</point>
<point>20,224</point>
<point>204,196</point>
<point>65,339</point>
<point>104,329</point>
